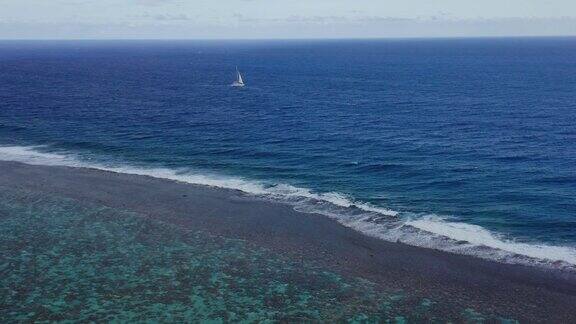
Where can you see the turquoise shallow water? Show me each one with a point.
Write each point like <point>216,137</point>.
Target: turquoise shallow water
<point>62,260</point>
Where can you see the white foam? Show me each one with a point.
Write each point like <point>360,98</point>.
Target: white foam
<point>480,236</point>
<point>427,231</point>
<point>35,155</point>
<point>31,155</point>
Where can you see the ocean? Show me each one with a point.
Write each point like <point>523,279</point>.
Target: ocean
<point>463,145</point>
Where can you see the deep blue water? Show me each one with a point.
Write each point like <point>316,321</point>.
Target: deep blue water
<point>479,131</point>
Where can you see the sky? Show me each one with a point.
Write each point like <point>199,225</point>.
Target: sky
<point>248,19</point>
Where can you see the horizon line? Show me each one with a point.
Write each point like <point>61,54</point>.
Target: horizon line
<point>294,38</point>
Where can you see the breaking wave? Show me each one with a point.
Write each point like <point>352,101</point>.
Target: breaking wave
<point>428,231</point>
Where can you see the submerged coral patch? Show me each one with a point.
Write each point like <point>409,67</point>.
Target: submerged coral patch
<point>63,260</point>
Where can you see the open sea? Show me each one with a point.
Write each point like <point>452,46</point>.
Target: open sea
<point>463,145</point>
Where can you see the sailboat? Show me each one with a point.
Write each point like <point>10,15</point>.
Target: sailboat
<point>239,82</point>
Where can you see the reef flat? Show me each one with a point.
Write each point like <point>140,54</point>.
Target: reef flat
<point>87,245</point>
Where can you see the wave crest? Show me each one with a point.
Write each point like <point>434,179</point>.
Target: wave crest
<point>427,231</point>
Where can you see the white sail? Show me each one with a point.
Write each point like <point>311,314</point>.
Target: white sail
<point>239,82</point>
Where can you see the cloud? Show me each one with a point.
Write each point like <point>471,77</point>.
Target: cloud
<point>167,17</point>
<point>317,19</point>
<point>243,19</point>
<point>181,26</point>
<point>154,3</point>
